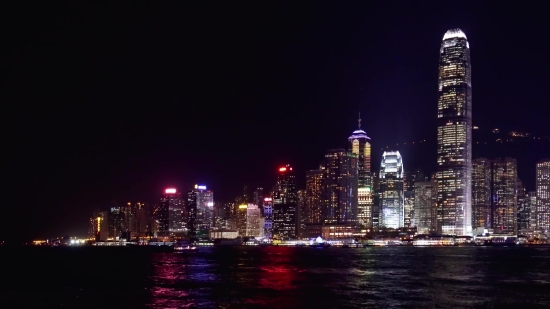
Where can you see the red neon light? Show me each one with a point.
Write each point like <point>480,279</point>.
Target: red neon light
<point>170,191</point>
<point>282,169</point>
<point>268,199</point>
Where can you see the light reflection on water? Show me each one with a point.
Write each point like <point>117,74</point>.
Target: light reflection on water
<point>400,277</point>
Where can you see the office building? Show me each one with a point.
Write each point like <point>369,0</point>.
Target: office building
<point>454,135</point>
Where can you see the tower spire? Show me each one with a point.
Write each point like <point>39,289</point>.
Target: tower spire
<point>359,120</point>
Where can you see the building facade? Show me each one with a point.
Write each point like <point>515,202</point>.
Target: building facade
<point>481,193</point>
<point>392,199</point>
<point>340,188</point>
<point>425,207</point>
<point>542,212</point>
<point>285,225</point>
<point>504,195</point>
<point>454,135</point>
<point>360,145</point>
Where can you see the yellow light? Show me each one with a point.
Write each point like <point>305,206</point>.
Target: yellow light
<point>243,206</point>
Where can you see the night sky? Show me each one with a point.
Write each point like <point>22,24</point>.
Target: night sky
<point>108,102</point>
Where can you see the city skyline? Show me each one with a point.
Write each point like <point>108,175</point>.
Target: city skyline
<point>225,128</point>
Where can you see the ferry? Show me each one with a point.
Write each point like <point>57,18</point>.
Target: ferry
<point>183,245</point>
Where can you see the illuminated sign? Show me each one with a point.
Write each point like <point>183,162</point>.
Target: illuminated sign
<point>268,199</point>
<point>210,204</point>
<point>243,206</point>
<point>282,169</point>
<point>201,187</point>
<point>170,191</point>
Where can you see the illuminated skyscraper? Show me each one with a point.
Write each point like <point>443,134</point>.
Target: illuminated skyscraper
<point>481,193</point>
<point>425,211</point>
<point>314,192</point>
<point>361,147</point>
<point>200,206</point>
<point>392,212</point>
<point>454,135</point>
<point>171,214</point>
<point>253,228</point>
<point>340,188</point>
<point>284,205</point>
<point>268,217</point>
<point>543,196</point>
<point>505,198</point>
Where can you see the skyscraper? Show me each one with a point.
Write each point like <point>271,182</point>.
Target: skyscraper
<point>481,193</point>
<point>284,205</point>
<point>505,198</point>
<point>313,203</point>
<point>361,147</point>
<point>392,212</point>
<point>340,188</point>
<point>454,135</point>
<point>268,217</point>
<point>425,206</point>
<point>171,214</point>
<point>200,205</point>
<point>543,195</point>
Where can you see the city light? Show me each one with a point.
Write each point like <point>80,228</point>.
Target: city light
<point>170,191</point>
<point>243,206</point>
<point>201,187</point>
<point>268,199</point>
<point>282,169</point>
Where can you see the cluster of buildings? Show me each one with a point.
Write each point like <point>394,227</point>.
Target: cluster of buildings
<point>344,198</point>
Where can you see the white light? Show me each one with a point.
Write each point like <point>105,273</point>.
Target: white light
<point>210,204</point>
<point>454,33</point>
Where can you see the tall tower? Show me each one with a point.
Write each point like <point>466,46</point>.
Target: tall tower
<point>481,194</point>
<point>171,214</point>
<point>542,212</point>
<point>392,199</point>
<point>454,135</point>
<point>361,147</point>
<point>505,197</point>
<point>340,188</point>
<point>284,205</point>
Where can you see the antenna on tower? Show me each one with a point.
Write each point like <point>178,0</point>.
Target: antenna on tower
<point>359,120</point>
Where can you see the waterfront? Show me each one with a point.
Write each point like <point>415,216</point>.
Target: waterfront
<point>278,277</point>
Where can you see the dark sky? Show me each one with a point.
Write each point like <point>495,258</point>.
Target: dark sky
<point>115,101</point>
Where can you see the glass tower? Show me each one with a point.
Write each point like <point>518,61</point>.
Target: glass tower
<point>361,147</point>
<point>454,135</point>
<point>391,190</point>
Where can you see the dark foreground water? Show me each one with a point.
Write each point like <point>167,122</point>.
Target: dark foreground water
<point>277,277</point>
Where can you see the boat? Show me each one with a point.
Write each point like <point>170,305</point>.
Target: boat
<point>184,245</point>
<point>181,248</point>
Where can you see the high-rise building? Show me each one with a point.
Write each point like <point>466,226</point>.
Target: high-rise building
<point>533,210</point>
<point>253,228</point>
<point>481,193</point>
<point>242,211</point>
<point>524,213</point>
<point>505,199</point>
<point>391,191</point>
<point>268,217</point>
<point>314,192</point>
<point>170,215</point>
<point>200,207</point>
<point>454,135</point>
<point>360,145</point>
<point>340,188</point>
<point>425,206</point>
<point>408,208</point>
<point>284,205</point>
<point>543,196</point>
<point>300,217</point>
